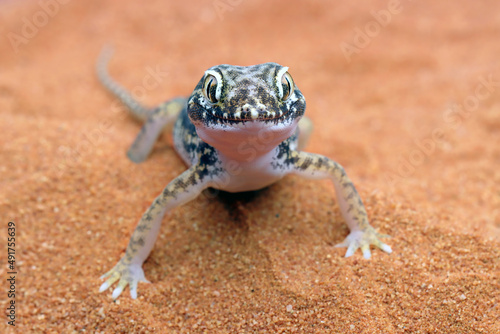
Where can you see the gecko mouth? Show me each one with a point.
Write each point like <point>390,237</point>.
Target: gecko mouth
<point>248,115</point>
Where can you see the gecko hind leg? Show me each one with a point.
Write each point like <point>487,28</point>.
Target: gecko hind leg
<point>162,118</point>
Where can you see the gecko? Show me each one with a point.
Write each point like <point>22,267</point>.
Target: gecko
<point>242,129</point>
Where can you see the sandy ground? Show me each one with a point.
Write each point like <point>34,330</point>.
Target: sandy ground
<point>406,95</point>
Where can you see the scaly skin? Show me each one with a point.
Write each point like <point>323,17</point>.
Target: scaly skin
<point>240,130</point>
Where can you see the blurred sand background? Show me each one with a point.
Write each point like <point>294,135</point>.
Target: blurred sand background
<point>404,94</point>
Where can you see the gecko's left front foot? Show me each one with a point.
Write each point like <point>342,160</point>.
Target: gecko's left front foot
<point>128,274</point>
<point>363,239</point>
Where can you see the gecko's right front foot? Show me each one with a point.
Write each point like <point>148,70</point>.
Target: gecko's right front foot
<point>128,274</point>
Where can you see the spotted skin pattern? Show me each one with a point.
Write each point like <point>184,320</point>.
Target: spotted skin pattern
<point>241,129</point>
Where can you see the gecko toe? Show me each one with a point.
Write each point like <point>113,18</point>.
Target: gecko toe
<point>118,291</point>
<point>342,244</point>
<point>366,251</point>
<point>351,250</point>
<point>112,277</point>
<point>133,290</point>
<point>104,287</point>
<point>386,248</point>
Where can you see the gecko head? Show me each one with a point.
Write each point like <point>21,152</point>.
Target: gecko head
<point>230,95</point>
<point>240,101</point>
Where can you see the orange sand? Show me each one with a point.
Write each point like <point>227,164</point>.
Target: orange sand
<point>429,174</point>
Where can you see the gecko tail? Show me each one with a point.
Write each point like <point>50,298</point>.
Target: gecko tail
<point>139,111</point>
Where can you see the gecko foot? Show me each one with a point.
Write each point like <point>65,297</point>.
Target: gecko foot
<point>128,274</point>
<point>363,240</point>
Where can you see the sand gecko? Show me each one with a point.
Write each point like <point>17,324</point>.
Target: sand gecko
<point>241,129</point>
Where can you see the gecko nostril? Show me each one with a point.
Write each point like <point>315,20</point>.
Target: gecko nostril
<point>262,108</point>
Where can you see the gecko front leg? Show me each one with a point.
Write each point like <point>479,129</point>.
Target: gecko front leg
<point>362,234</point>
<point>129,270</point>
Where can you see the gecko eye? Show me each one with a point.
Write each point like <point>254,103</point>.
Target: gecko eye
<point>210,88</point>
<point>287,86</point>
